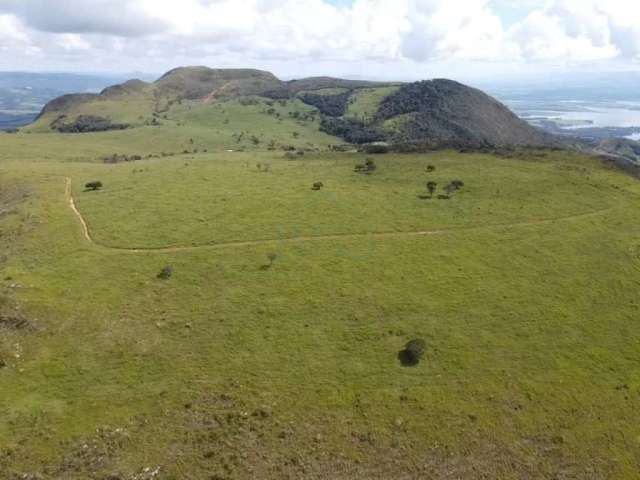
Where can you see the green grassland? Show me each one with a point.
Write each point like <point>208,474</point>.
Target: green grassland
<point>184,127</point>
<point>134,110</point>
<point>523,284</point>
<point>364,103</point>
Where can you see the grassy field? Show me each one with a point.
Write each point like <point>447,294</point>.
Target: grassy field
<point>523,285</point>
<point>365,102</point>
<point>186,127</point>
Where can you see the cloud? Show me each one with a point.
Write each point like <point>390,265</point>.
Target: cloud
<point>577,31</point>
<point>150,34</point>
<point>114,17</point>
<point>462,29</point>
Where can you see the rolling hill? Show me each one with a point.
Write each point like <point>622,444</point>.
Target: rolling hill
<point>199,279</point>
<point>432,113</point>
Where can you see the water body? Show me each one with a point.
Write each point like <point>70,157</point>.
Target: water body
<point>10,121</point>
<point>581,116</point>
<point>577,114</point>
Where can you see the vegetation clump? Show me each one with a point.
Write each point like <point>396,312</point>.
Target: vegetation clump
<point>317,186</point>
<point>412,352</point>
<point>368,167</point>
<point>271,257</point>
<point>86,123</point>
<point>453,187</point>
<point>352,131</point>
<point>330,105</point>
<point>431,188</point>
<point>166,273</point>
<point>376,148</point>
<point>117,158</point>
<point>93,186</point>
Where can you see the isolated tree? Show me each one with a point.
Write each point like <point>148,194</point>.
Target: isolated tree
<point>272,258</point>
<point>413,352</point>
<point>431,187</point>
<point>431,168</point>
<point>93,186</point>
<point>317,186</point>
<point>165,273</point>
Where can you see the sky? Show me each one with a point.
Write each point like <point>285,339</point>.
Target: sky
<point>376,39</point>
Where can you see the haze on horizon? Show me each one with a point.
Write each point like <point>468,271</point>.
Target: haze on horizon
<point>380,39</point>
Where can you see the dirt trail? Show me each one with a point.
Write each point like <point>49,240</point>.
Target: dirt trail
<point>342,236</point>
<point>72,204</point>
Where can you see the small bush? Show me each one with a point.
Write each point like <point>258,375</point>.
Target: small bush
<point>317,186</point>
<point>431,168</point>
<point>376,148</point>
<point>413,352</point>
<point>368,167</point>
<point>93,186</point>
<point>166,273</point>
<point>272,258</point>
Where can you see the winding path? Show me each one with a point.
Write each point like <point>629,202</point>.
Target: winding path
<point>342,236</point>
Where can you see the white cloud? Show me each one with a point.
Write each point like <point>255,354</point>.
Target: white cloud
<point>158,34</point>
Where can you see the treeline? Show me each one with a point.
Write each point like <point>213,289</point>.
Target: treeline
<point>352,131</point>
<point>330,105</point>
<point>415,97</point>
<point>86,123</point>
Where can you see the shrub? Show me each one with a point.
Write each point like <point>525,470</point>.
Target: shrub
<point>454,186</point>
<point>431,187</point>
<point>166,273</point>
<point>431,168</point>
<point>368,167</point>
<point>317,186</point>
<point>93,186</point>
<point>376,148</point>
<point>413,352</point>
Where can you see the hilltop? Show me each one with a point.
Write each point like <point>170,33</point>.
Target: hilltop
<point>433,113</point>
